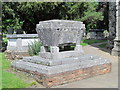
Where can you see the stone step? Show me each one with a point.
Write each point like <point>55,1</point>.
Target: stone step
<point>20,64</point>
<point>53,62</point>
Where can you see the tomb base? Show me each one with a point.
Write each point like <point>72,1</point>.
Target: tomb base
<point>51,72</point>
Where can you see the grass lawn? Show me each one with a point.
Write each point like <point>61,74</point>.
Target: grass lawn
<point>102,45</point>
<point>91,41</point>
<point>10,80</point>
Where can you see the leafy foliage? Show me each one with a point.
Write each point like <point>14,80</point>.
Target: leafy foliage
<point>103,45</point>
<point>30,13</point>
<point>10,17</point>
<point>34,48</point>
<point>93,41</point>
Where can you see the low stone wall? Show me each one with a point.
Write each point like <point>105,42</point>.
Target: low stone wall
<point>19,42</point>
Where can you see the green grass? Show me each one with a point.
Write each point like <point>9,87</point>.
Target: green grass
<point>92,41</point>
<point>10,80</point>
<point>83,44</point>
<point>102,45</point>
<point>89,42</point>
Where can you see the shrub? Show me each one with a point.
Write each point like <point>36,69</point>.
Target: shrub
<point>34,47</point>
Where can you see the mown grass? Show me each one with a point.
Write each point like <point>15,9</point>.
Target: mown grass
<point>102,45</point>
<point>10,80</point>
<point>92,41</point>
<point>89,42</point>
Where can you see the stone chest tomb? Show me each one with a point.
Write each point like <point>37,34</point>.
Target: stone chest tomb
<point>59,33</point>
<point>53,67</point>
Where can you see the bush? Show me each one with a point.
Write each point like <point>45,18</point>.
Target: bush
<point>34,47</point>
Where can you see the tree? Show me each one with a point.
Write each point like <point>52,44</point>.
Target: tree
<point>10,16</point>
<point>103,7</point>
<point>86,12</point>
<point>30,13</point>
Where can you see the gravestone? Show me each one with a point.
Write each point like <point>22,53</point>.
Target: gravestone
<point>53,67</point>
<point>96,34</point>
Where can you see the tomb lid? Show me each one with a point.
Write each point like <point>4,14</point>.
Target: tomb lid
<point>58,20</point>
<point>22,36</point>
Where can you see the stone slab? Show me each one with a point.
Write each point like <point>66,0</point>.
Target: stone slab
<point>53,62</point>
<point>59,68</point>
<point>14,36</point>
<point>60,55</point>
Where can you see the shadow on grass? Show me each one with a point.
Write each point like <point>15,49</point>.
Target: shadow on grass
<point>101,44</point>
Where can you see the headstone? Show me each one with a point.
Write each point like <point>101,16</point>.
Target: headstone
<point>54,67</point>
<point>96,34</point>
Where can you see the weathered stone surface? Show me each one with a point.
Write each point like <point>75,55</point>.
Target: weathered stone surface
<point>59,66</point>
<point>53,62</point>
<point>60,55</point>
<point>55,32</point>
<point>15,36</point>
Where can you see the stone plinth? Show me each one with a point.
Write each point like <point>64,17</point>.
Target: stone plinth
<point>56,72</point>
